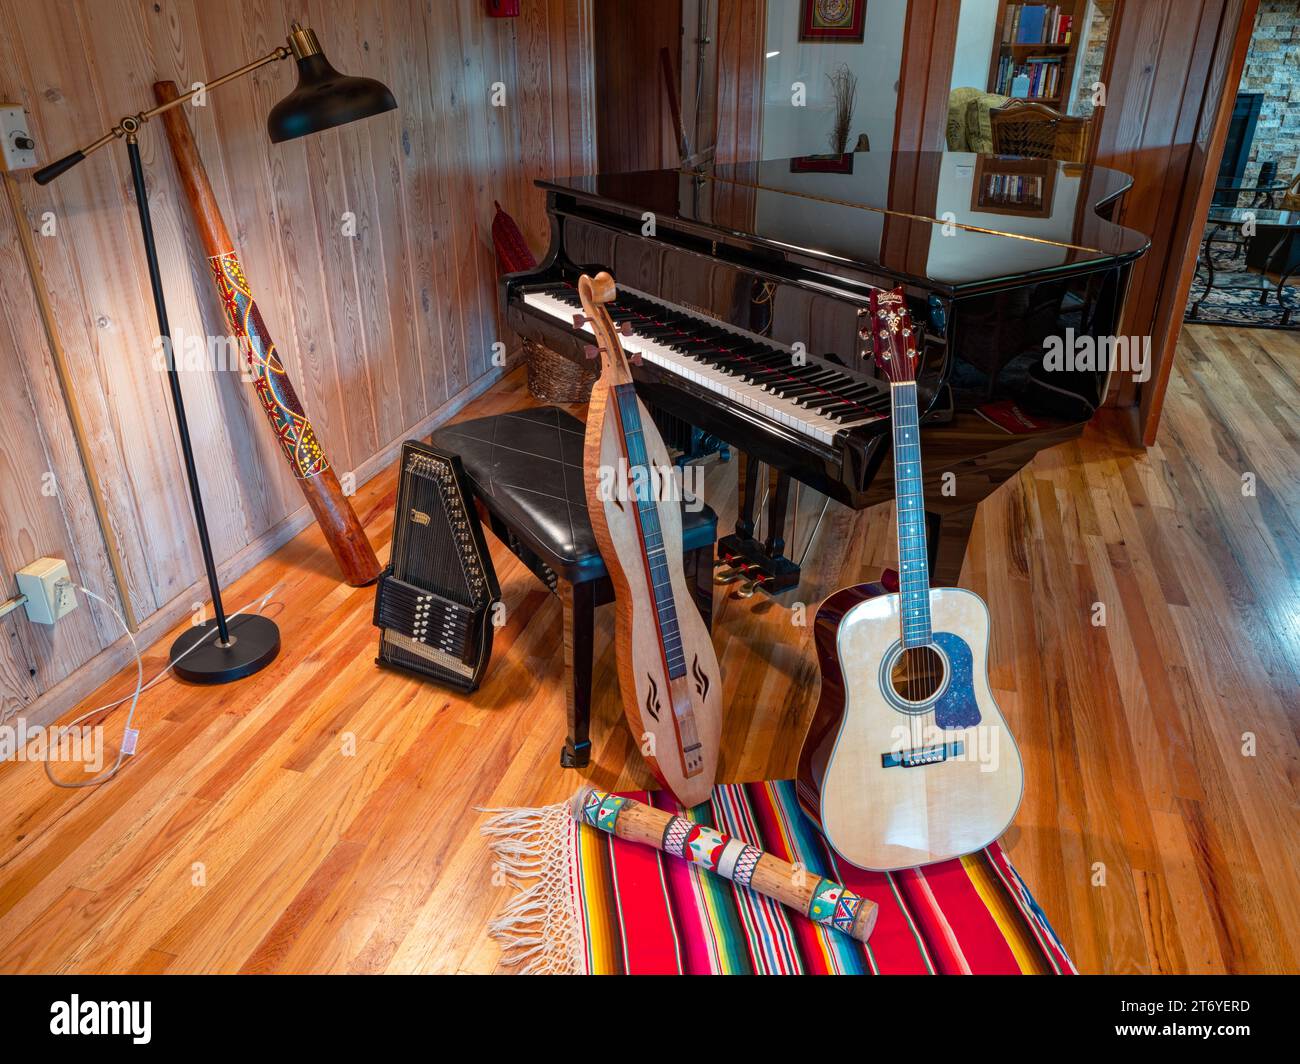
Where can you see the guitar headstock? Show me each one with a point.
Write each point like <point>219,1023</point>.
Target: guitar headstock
<point>893,340</point>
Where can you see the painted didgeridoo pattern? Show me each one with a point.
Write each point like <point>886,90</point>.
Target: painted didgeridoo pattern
<point>821,900</point>
<point>275,392</point>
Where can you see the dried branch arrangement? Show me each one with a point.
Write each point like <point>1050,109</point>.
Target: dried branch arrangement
<point>844,91</point>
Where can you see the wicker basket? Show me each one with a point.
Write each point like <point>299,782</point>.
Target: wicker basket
<point>553,378</point>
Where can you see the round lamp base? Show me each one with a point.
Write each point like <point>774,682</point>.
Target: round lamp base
<point>254,643</point>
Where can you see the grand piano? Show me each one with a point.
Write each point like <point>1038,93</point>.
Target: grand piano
<point>744,289</point>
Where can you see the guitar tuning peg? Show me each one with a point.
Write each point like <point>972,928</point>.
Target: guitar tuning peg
<point>579,320</point>
<point>592,352</point>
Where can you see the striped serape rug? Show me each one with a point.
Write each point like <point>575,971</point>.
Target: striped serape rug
<point>590,903</point>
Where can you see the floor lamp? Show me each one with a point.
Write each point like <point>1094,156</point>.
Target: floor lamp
<point>323,98</point>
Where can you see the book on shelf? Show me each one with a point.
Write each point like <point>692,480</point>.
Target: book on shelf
<point>1013,189</point>
<point>1043,72</point>
<point>1036,24</point>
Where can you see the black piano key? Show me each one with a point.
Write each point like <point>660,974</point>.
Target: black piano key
<point>823,378</point>
<point>827,402</point>
<point>823,388</point>
<point>793,389</point>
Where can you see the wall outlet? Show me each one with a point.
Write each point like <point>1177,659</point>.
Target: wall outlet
<point>17,145</point>
<point>49,590</point>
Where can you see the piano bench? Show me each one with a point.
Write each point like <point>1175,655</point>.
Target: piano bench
<point>525,470</point>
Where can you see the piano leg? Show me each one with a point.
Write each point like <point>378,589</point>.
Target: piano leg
<point>776,514</point>
<point>947,536</point>
<point>764,564</point>
<point>747,503</point>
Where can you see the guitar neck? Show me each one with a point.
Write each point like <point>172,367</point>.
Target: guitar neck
<point>652,539</point>
<point>909,494</point>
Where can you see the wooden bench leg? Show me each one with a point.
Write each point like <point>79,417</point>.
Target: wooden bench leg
<point>578,605</point>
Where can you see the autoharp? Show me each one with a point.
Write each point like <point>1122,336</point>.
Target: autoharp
<point>434,602</point>
<point>667,670</point>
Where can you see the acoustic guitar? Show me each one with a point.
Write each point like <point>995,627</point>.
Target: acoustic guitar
<point>908,759</point>
<point>667,669</point>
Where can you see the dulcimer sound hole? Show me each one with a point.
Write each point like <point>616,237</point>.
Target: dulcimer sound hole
<point>917,673</point>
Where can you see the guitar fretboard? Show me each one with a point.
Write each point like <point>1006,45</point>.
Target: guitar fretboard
<point>642,483</point>
<point>909,494</point>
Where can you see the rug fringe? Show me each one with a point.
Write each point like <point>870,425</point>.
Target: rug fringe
<point>538,928</point>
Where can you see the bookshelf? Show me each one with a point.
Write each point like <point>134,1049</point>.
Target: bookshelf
<point>1041,40</point>
<point>1023,187</point>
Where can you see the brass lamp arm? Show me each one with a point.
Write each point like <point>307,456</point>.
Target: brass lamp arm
<point>131,124</point>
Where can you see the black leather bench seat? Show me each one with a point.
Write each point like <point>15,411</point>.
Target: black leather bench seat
<point>526,467</point>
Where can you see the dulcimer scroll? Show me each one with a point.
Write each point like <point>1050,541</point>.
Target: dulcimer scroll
<point>667,668</point>
<point>275,391</point>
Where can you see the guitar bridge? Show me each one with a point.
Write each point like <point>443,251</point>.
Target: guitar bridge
<point>922,755</point>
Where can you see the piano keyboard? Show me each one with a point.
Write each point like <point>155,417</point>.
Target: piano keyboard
<point>818,399</point>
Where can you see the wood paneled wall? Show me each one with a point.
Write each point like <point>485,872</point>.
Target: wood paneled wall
<point>738,58</point>
<point>383,331</point>
<point>925,75</point>
<point>634,123</point>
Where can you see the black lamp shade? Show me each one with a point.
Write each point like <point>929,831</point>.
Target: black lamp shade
<point>323,99</point>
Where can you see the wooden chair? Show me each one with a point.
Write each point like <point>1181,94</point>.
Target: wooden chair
<point>1034,130</point>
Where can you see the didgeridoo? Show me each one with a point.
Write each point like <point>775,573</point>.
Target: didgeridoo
<point>334,513</point>
<point>821,900</point>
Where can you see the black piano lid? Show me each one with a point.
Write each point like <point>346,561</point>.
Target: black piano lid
<point>911,215</point>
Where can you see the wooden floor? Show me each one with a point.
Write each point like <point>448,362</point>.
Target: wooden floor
<point>321,816</point>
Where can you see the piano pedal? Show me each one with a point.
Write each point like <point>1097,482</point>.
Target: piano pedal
<point>733,574</point>
<point>749,559</point>
<point>747,589</point>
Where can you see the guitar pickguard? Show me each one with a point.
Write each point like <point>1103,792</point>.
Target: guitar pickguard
<point>956,706</point>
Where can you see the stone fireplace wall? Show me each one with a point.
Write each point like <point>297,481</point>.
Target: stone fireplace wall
<point>1273,68</point>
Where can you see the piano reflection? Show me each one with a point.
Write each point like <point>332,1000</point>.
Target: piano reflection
<point>745,290</point>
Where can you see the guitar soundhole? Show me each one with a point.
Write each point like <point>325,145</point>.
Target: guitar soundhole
<point>917,674</point>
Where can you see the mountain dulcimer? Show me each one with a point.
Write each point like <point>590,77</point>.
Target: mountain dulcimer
<point>667,669</point>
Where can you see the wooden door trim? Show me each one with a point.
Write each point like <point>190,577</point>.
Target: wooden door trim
<point>1207,149</point>
<point>925,75</point>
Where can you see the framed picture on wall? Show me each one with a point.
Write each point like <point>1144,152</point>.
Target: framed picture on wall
<point>832,20</point>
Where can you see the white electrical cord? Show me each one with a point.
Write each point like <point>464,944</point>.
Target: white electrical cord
<point>140,688</point>
<point>61,729</point>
